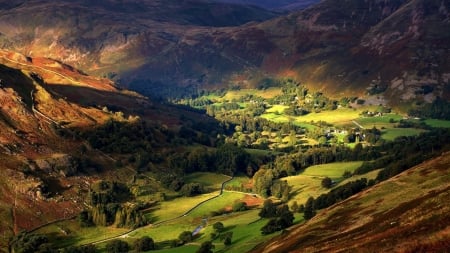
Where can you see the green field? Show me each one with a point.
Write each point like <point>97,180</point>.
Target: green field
<point>170,209</point>
<point>237,182</point>
<point>236,94</point>
<point>210,180</point>
<point>331,170</point>
<point>277,109</point>
<point>275,117</point>
<point>309,183</point>
<point>77,235</point>
<point>225,200</point>
<point>378,122</point>
<point>392,133</point>
<point>339,116</point>
<point>438,123</point>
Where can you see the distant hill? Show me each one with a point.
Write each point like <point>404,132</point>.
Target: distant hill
<point>275,5</point>
<point>397,50</point>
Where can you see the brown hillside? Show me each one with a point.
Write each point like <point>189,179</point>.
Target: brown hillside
<point>407,213</point>
<point>397,45</point>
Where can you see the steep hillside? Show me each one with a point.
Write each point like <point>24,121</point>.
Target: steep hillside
<point>278,5</point>
<point>396,49</point>
<point>408,213</point>
<point>46,163</point>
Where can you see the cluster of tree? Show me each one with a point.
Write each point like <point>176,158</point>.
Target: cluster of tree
<point>220,233</point>
<point>400,155</point>
<point>291,164</point>
<point>438,109</point>
<point>412,124</point>
<point>339,193</point>
<point>107,201</point>
<point>142,244</point>
<point>206,247</point>
<point>301,100</point>
<point>90,248</point>
<point>24,243</point>
<point>227,159</point>
<point>280,217</point>
<point>265,184</point>
<point>405,152</point>
<point>126,138</point>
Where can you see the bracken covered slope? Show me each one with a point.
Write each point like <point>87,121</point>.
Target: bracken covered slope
<point>39,98</point>
<point>407,213</point>
<point>397,46</point>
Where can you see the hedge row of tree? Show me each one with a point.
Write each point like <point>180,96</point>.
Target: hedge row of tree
<point>280,217</point>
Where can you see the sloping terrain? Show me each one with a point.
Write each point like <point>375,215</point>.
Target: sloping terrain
<point>45,166</point>
<point>277,5</point>
<point>407,213</point>
<point>397,49</point>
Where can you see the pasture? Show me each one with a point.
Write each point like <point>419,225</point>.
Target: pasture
<point>392,133</point>
<point>331,170</point>
<point>211,181</point>
<point>438,123</point>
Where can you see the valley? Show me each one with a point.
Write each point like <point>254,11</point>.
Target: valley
<point>224,126</point>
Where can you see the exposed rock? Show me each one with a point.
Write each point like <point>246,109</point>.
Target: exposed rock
<point>63,164</point>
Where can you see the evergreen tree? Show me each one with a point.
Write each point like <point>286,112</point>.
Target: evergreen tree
<point>309,209</point>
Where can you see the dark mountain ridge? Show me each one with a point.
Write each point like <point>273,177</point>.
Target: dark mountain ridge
<point>399,47</point>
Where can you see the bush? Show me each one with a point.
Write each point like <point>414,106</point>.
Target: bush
<point>185,237</point>
<point>117,246</point>
<point>327,182</point>
<point>144,243</point>
<point>218,227</point>
<point>206,247</point>
<point>239,206</point>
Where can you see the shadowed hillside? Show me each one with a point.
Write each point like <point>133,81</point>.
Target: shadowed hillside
<point>46,164</point>
<point>398,48</point>
<point>408,213</point>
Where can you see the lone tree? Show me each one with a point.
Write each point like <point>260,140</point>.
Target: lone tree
<point>218,227</point>
<point>227,238</point>
<point>327,182</point>
<point>269,209</point>
<point>309,209</point>
<point>117,246</point>
<point>144,243</point>
<point>185,237</point>
<point>206,247</point>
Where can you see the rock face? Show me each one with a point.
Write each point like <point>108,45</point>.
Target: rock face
<point>62,164</point>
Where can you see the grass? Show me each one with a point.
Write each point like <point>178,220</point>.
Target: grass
<point>275,117</point>
<point>438,123</point>
<point>78,235</point>
<point>277,109</point>
<point>378,122</point>
<point>339,116</point>
<point>309,183</point>
<point>225,200</point>
<point>237,181</point>
<point>177,207</point>
<point>332,170</point>
<point>391,134</point>
<point>208,179</point>
<point>266,94</point>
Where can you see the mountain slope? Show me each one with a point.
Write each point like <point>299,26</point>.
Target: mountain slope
<point>396,46</point>
<point>46,163</point>
<point>279,5</point>
<point>408,213</point>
